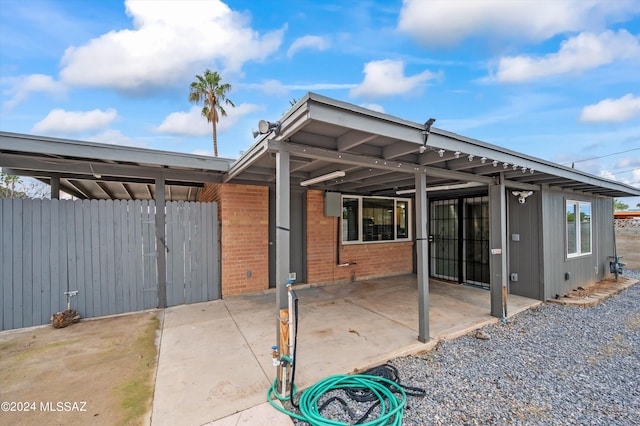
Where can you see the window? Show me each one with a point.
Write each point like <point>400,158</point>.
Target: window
<point>369,219</point>
<point>578,224</point>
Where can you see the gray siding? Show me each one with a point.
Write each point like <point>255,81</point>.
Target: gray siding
<point>525,255</point>
<point>583,270</point>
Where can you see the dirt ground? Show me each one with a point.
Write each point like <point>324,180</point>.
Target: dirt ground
<point>598,287</point>
<point>97,372</point>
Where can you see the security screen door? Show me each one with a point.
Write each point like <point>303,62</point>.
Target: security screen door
<point>444,248</point>
<point>460,240</point>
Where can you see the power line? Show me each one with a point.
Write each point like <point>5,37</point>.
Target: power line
<point>603,156</point>
<point>625,171</point>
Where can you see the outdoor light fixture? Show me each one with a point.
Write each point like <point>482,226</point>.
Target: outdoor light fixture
<point>515,167</point>
<point>455,186</point>
<point>505,165</point>
<point>443,187</point>
<point>495,163</point>
<point>425,133</point>
<point>470,157</point>
<point>524,170</point>
<point>531,171</point>
<point>318,179</point>
<point>483,160</point>
<point>406,191</point>
<point>265,127</point>
<point>441,153</point>
<point>457,154</point>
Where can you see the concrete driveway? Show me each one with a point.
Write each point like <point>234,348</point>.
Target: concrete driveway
<point>215,357</point>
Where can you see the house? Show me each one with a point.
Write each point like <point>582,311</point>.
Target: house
<point>334,193</point>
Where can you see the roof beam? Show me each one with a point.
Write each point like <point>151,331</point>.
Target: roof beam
<point>104,189</point>
<point>398,149</point>
<point>77,187</point>
<point>375,163</point>
<point>353,138</point>
<point>128,190</point>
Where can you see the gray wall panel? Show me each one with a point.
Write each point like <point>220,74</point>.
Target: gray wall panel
<point>583,270</point>
<point>525,255</point>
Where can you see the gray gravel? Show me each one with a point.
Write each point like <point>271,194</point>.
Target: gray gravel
<point>549,365</point>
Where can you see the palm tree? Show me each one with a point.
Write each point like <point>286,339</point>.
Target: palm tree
<point>208,89</point>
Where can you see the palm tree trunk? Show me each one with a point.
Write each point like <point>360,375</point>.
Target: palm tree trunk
<point>215,139</point>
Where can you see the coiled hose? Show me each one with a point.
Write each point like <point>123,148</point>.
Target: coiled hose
<point>390,397</point>
<point>380,384</point>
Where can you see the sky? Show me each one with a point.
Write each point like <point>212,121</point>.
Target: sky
<point>558,80</point>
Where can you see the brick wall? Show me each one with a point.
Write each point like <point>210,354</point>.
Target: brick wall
<point>244,218</point>
<point>243,211</point>
<point>371,260</point>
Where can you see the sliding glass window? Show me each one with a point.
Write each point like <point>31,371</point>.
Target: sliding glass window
<point>371,219</point>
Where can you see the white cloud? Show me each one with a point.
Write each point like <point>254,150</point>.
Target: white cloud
<point>24,85</point>
<point>192,123</point>
<point>68,122</point>
<point>577,54</point>
<point>386,78</point>
<point>115,137</point>
<point>307,42</point>
<point>373,107</point>
<point>168,40</point>
<point>612,110</point>
<point>275,87</point>
<point>446,22</point>
<point>607,175</point>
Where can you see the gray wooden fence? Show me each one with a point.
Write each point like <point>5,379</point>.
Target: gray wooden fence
<point>192,257</point>
<point>104,249</point>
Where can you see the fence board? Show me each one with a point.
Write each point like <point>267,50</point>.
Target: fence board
<point>27,264</point>
<point>45,265</point>
<point>150,289</point>
<point>7,262</point>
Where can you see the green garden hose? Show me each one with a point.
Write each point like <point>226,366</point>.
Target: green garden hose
<point>390,395</point>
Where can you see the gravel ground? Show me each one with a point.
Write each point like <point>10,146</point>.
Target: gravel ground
<point>549,365</point>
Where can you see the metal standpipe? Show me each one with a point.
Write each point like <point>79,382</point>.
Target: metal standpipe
<point>283,353</point>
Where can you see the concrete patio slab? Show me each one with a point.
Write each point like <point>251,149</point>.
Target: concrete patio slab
<point>215,358</point>
<point>206,369</point>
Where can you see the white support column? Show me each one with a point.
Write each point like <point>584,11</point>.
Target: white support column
<point>498,248</point>
<point>422,252</point>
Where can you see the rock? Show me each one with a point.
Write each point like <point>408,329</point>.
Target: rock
<point>65,318</point>
<point>482,335</point>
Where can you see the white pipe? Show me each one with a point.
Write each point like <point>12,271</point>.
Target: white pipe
<point>290,322</point>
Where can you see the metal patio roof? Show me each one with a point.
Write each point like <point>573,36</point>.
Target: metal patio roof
<point>90,170</point>
<point>380,154</point>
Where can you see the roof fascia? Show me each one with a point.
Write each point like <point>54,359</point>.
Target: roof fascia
<point>18,142</point>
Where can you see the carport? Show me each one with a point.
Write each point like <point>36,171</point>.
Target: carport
<point>325,144</point>
<point>157,182</point>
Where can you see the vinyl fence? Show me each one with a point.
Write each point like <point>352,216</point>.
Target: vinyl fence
<point>106,251</point>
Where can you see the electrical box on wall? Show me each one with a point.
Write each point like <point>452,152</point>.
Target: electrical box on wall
<point>332,204</point>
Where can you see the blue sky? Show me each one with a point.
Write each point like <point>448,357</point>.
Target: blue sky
<point>559,80</point>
